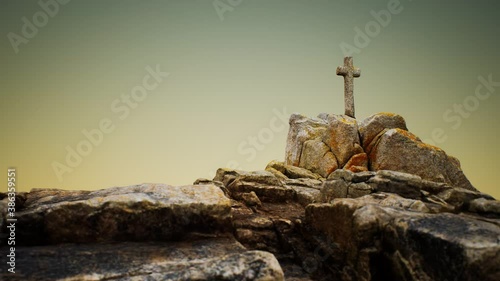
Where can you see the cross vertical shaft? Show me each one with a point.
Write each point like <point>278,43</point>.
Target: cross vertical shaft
<point>349,72</point>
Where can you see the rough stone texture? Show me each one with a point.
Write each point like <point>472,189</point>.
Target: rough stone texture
<point>349,72</point>
<point>399,150</point>
<point>227,176</point>
<point>277,173</point>
<point>357,163</point>
<point>342,138</point>
<point>485,206</point>
<point>318,158</point>
<point>305,195</point>
<point>370,127</point>
<point>214,259</point>
<point>374,225</point>
<point>266,193</point>
<point>301,130</point>
<point>292,172</point>
<point>460,197</point>
<point>310,183</point>
<point>374,242</point>
<point>251,199</point>
<point>139,212</point>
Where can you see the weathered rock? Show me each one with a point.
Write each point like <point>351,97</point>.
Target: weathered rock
<point>227,176</point>
<point>356,190</point>
<point>370,127</point>
<point>305,195</point>
<point>309,183</point>
<point>214,259</point>
<point>402,188</point>
<point>342,138</point>
<point>318,158</point>
<point>482,205</point>
<point>342,174</point>
<point>251,199</point>
<point>134,213</point>
<point>399,150</point>
<point>460,197</point>
<point>301,130</point>
<point>357,163</point>
<point>374,242</point>
<point>277,173</point>
<point>265,192</point>
<point>362,176</point>
<point>292,172</point>
<point>333,189</point>
<point>219,184</point>
<point>339,188</point>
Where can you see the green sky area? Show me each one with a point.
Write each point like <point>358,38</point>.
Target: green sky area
<point>237,70</point>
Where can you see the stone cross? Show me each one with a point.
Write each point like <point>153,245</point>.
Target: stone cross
<point>349,72</point>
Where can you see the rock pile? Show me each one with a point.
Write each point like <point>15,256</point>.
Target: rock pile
<point>365,201</point>
<point>380,142</point>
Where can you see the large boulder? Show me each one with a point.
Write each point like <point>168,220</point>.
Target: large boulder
<point>372,126</point>
<point>318,158</point>
<point>400,150</point>
<point>301,130</point>
<point>145,212</point>
<point>342,138</point>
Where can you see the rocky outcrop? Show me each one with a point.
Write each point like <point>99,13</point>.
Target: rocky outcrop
<point>365,201</point>
<point>403,241</point>
<point>402,151</point>
<point>380,142</point>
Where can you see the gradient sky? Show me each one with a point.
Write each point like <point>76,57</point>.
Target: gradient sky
<point>229,74</point>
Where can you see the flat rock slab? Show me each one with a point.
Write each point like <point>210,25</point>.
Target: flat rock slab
<point>134,213</point>
<point>214,259</point>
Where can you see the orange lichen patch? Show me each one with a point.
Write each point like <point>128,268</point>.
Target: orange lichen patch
<point>347,120</point>
<point>418,141</point>
<point>390,114</point>
<point>357,169</point>
<point>359,160</point>
<point>429,146</point>
<point>408,135</point>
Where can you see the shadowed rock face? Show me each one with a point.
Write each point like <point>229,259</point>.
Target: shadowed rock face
<point>384,242</point>
<point>198,259</point>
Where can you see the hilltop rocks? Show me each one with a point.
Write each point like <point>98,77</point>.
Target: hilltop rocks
<point>380,142</point>
<point>391,226</point>
<point>140,212</point>
<point>352,201</point>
